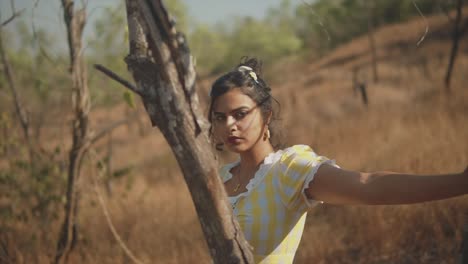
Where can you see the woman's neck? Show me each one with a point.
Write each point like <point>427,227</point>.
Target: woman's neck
<point>251,159</point>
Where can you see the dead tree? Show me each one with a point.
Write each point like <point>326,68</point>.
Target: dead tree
<point>19,109</point>
<point>163,69</point>
<point>359,86</point>
<point>370,36</point>
<point>458,31</point>
<point>74,21</point>
<point>21,112</point>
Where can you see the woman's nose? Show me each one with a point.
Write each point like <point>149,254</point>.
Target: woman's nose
<point>231,122</point>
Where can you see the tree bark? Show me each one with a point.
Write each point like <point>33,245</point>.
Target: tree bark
<point>75,21</point>
<point>457,33</point>
<point>163,69</point>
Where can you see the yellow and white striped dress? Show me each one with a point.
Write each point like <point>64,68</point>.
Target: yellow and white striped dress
<point>273,210</point>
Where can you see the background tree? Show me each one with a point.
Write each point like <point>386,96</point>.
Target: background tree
<point>458,31</point>
<point>75,21</point>
<point>323,25</point>
<point>370,34</point>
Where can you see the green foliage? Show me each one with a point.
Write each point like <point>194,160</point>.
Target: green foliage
<point>109,46</point>
<point>219,48</point>
<point>35,68</point>
<point>209,46</point>
<point>129,98</point>
<point>259,38</point>
<point>179,13</point>
<point>122,172</point>
<point>30,189</point>
<point>324,24</point>
<point>317,27</point>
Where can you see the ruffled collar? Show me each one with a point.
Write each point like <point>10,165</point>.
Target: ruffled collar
<point>268,162</point>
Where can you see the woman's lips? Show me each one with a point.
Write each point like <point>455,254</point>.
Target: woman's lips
<point>234,140</point>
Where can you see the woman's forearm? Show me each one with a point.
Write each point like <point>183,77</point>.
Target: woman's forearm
<point>397,188</point>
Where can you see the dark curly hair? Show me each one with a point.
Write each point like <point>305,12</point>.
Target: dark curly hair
<point>256,88</point>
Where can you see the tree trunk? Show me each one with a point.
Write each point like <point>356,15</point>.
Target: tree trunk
<point>370,35</point>
<point>457,33</point>
<point>163,69</point>
<point>75,22</point>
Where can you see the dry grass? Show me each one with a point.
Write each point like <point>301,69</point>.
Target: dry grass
<point>409,126</point>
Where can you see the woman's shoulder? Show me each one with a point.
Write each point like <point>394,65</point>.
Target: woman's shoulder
<point>302,155</point>
<point>295,154</point>
<point>298,151</point>
<point>298,148</point>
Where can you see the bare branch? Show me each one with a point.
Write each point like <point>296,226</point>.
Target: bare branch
<point>12,4</point>
<point>75,21</point>
<point>12,17</point>
<point>111,127</point>
<point>318,19</point>
<point>34,31</point>
<point>20,111</point>
<point>425,21</point>
<point>456,36</point>
<point>111,226</point>
<point>371,38</point>
<point>116,78</point>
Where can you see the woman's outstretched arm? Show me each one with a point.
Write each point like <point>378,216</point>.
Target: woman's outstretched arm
<point>338,186</point>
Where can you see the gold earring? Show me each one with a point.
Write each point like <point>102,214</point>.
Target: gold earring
<point>266,136</point>
<point>219,146</point>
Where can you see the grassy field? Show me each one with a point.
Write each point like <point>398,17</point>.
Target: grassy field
<point>410,125</point>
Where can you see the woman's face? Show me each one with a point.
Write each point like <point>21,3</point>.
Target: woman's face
<point>237,121</point>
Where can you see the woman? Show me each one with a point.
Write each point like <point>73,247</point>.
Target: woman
<point>271,189</point>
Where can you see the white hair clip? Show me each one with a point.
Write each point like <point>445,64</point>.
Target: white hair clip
<point>251,72</point>
<point>245,68</point>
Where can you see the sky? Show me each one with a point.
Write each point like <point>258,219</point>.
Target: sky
<point>47,13</point>
<point>212,11</point>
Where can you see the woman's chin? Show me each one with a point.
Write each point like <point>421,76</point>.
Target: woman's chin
<point>238,148</point>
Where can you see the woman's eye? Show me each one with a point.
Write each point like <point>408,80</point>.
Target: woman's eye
<point>240,115</point>
<point>219,118</point>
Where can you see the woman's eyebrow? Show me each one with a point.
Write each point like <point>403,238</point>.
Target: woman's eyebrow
<point>234,110</point>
